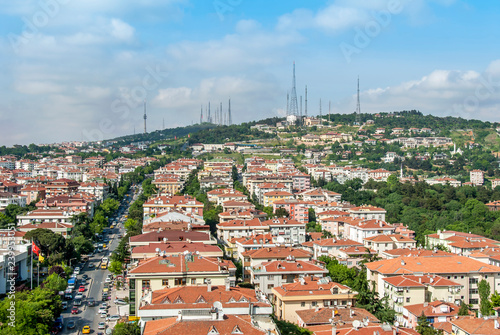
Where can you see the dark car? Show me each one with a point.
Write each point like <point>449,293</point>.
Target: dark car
<point>91,301</point>
<point>85,276</point>
<point>71,324</point>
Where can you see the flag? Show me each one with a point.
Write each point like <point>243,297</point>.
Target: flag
<point>189,135</point>
<point>175,138</point>
<point>35,249</point>
<point>41,258</point>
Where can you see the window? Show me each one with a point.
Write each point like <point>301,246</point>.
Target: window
<point>326,303</point>
<point>408,299</point>
<point>473,281</point>
<point>164,282</point>
<point>302,304</point>
<point>270,286</point>
<point>270,277</point>
<point>314,303</point>
<point>193,281</point>
<point>180,281</point>
<point>473,291</point>
<point>473,301</point>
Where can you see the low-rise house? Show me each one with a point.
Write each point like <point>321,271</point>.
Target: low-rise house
<point>45,215</point>
<point>469,325</point>
<point>331,246</point>
<point>360,230</point>
<point>7,198</point>
<point>59,228</point>
<point>240,228</point>
<point>307,293</point>
<point>270,197</point>
<point>368,212</point>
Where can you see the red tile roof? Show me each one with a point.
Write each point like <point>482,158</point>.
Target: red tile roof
<point>179,264</point>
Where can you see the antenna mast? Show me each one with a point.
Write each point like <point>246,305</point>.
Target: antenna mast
<point>358,107</point>
<point>229,121</point>
<point>145,116</point>
<point>305,109</point>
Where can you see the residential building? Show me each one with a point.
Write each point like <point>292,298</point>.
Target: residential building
<point>240,228</point>
<point>330,246</point>
<point>175,301</point>
<point>307,293</point>
<point>174,248</point>
<point>381,243</point>
<point>175,271</point>
<point>45,215</point>
<point>59,228</point>
<point>62,186</point>
<point>289,232</point>
<point>470,325</point>
<point>185,203</point>
<point>323,316</point>
<point>435,311</point>
<point>368,212</point>
<point>33,192</point>
<point>167,236</point>
<point>360,230</point>
<point>7,198</point>
<point>14,262</point>
<point>477,177</point>
<point>207,323</point>
<point>276,273</point>
<point>462,270</point>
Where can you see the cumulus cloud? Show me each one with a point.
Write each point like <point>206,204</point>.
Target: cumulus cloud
<point>467,94</point>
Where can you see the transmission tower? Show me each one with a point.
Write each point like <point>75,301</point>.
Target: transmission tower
<point>294,108</point>
<point>287,104</point>
<point>201,115</point>
<point>229,119</point>
<point>320,114</point>
<point>209,116</point>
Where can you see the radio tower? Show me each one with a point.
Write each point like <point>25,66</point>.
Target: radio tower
<point>145,117</point>
<point>229,119</point>
<point>320,114</point>
<point>294,107</point>
<point>358,108</point>
<point>209,116</point>
<point>201,115</point>
<point>221,117</point>
<point>287,104</point>
<point>305,106</point>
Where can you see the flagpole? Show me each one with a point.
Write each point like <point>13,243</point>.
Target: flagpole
<point>31,263</point>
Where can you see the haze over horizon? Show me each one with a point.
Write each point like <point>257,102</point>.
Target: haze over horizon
<point>80,70</point>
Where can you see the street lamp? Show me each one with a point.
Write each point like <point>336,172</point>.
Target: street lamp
<point>70,261</point>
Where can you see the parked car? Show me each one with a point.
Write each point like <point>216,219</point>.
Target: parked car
<point>64,304</point>
<point>74,310</point>
<point>85,275</point>
<point>71,324</point>
<point>86,330</point>
<point>77,270</point>
<point>120,302</point>
<point>79,295</point>
<point>81,288</point>
<point>102,325</point>
<point>91,301</point>
<point>113,318</point>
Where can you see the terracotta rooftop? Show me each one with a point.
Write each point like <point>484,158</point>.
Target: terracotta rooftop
<point>324,315</point>
<point>433,309</point>
<point>181,264</point>
<point>232,324</point>
<point>171,236</point>
<point>419,281</point>
<point>277,253</point>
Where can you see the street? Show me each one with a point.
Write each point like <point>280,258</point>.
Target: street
<point>88,315</point>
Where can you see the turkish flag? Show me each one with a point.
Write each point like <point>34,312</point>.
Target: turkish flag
<point>35,249</point>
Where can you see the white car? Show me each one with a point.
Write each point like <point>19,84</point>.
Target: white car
<point>113,318</point>
<point>77,270</point>
<point>101,325</point>
<point>79,295</point>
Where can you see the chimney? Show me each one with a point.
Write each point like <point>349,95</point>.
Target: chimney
<point>334,330</point>
<point>316,309</point>
<point>209,285</point>
<point>228,284</point>
<point>426,304</point>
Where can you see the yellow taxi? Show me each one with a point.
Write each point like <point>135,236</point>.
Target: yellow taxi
<point>112,226</point>
<point>86,330</point>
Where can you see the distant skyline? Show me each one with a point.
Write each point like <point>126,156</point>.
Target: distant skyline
<point>80,70</point>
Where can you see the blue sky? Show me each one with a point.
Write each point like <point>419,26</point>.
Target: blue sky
<point>79,70</point>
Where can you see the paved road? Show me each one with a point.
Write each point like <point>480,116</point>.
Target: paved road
<point>88,315</point>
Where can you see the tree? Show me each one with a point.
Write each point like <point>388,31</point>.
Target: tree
<point>55,283</point>
<point>127,329</point>
<point>116,267</point>
<point>82,245</point>
<point>424,327</point>
<point>495,299</point>
<point>464,309</point>
<point>35,311</point>
<point>484,294</point>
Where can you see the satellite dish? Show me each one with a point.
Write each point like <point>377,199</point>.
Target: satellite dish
<point>218,305</point>
<point>396,324</point>
<point>280,239</point>
<point>356,324</point>
<point>186,252</point>
<point>157,250</point>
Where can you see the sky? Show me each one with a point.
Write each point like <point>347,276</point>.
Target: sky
<point>81,70</point>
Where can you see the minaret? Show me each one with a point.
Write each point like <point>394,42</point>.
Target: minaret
<point>145,116</point>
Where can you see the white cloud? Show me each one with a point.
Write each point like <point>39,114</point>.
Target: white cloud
<point>467,94</point>
<point>121,30</point>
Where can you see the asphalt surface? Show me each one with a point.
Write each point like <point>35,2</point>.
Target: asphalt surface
<point>95,283</point>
